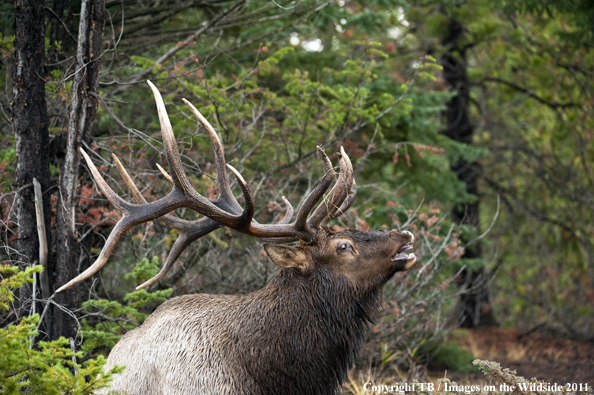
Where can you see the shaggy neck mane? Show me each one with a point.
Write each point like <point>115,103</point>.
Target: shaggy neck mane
<point>303,333</point>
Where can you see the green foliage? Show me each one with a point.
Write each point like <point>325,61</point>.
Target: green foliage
<point>7,161</point>
<point>141,297</point>
<point>265,67</point>
<point>144,270</point>
<point>531,100</point>
<point>580,14</point>
<point>13,278</point>
<point>8,155</point>
<point>46,367</point>
<point>144,62</point>
<point>453,357</point>
<point>6,44</point>
<point>111,319</point>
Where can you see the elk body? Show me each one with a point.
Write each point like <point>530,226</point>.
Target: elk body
<point>298,334</point>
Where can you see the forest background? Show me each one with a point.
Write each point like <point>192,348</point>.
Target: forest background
<point>468,122</point>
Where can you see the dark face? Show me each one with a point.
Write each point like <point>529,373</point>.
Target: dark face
<point>366,259</point>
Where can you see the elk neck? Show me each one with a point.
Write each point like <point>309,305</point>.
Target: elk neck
<point>302,332</point>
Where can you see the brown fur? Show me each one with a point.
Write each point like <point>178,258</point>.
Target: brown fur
<point>297,335</point>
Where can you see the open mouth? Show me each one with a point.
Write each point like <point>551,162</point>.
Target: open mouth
<point>401,254</point>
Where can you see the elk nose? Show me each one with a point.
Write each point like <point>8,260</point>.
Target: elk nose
<point>409,233</point>
<point>404,232</point>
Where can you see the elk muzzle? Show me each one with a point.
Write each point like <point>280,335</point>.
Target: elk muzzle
<point>402,260</point>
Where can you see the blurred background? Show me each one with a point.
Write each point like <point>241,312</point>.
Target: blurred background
<point>469,123</point>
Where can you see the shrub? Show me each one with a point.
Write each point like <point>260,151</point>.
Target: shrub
<point>46,367</point>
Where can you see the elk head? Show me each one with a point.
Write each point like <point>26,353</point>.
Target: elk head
<point>364,259</point>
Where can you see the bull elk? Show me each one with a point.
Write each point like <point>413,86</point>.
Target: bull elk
<point>298,334</point>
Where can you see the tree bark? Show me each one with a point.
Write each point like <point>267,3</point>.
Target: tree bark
<point>474,304</point>
<point>83,108</point>
<point>30,123</point>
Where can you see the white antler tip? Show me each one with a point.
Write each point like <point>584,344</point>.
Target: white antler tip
<point>237,174</point>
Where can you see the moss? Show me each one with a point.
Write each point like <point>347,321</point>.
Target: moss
<point>453,357</point>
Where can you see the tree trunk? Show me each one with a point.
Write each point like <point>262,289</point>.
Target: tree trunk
<point>83,108</point>
<point>474,305</point>
<point>30,123</point>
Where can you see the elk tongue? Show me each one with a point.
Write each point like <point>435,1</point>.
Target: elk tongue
<point>405,247</point>
<point>401,259</point>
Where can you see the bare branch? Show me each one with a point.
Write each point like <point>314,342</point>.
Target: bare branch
<point>553,104</point>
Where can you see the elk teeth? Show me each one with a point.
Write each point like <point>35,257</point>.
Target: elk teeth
<point>403,256</point>
<point>405,247</point>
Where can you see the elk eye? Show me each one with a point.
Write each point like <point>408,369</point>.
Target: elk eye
<point>344,247</point>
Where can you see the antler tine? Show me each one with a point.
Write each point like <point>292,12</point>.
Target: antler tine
<point>132,215</point>
<point>113,197</point>
<point>192,231</point>
<point>194,200</point>
<point>226,196</point>
<point>128,180</point>
<point>341,196</point>
<point>317,193</point>
<point>289,214</point>
<point>178,247</point>
<point>300,229</point>
<point>250,206</point>
<point>164,173</point>
<point>337,193</point>
<point>121,227</point>
<point>345,199</point>
<point>348,202</point>
<point>179,177</point>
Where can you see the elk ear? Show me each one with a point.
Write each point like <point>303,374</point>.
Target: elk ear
<point>285,256</point>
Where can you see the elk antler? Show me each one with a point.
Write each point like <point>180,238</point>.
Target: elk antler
<point>189,231</point>
<point>225,210</point>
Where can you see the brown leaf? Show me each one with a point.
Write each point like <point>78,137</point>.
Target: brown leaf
<point>396,311</point>
<point>86,193</point>
<point>395,221</point>
<point>337,228</point>
<point>431,221</point>
<point>407,157</point>
<point>395,157</point>
<point>274,207</point>
<point>363,225</point>
<point>211,192</point>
